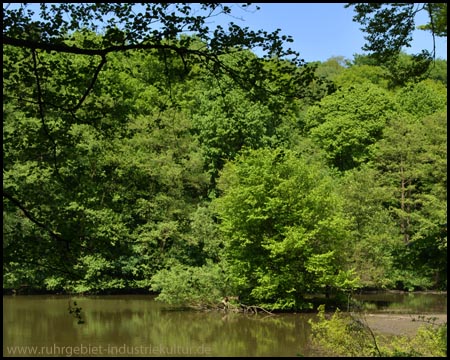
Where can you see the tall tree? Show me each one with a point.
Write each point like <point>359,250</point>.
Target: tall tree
<point>412,160</point>
<point>375,234</point>
<point>284,229</point>
<point>348,121</point>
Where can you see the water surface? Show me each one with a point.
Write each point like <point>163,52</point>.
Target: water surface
<point>137,325</point>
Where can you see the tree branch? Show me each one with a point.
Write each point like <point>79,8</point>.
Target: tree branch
<point>41,113</point>
<point>433,31</point>
<point>91,85</point>
<point>63,48</point>
<point>33,219</point>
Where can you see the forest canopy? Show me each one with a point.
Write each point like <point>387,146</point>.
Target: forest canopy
<point>144,151</point>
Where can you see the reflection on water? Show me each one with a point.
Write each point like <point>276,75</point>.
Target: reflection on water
<point>400,302</point>
<point>136,325</point>
<point>139,326</point>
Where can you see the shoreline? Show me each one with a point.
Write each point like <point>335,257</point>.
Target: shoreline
<point>404,324</point>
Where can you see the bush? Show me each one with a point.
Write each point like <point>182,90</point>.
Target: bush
<point>197,287</point>
<point>346,334</point>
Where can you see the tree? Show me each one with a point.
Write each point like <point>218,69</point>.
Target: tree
<point>227,119</point>
<point>348,121</point>
<point>363,73</point>
<point>438,19</point>
<point>284,229</point>
<point>389,26</point>
<point>394,73</point>
<point>99,155</point>
<point>375,234</point>
<point>132,26</point>
<point>332,67</point>
<point>412,160</point>
<point>423,99</point>
<point>438,71</point>
<point>404,69</point>
<point>121,182</point>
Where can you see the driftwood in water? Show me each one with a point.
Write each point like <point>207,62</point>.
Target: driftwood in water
<point>240,307</point>
<point>229,304</point>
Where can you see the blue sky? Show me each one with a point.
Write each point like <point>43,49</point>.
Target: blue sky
<point>320,30</point>
<point>324,30</point>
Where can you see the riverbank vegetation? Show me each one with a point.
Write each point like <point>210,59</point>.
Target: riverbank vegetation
<point>189,166</point>
<point>348,334</point>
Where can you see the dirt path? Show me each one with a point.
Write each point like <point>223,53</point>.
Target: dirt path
<point>401,324</point>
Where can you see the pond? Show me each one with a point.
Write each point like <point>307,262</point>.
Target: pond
<point>137,325</point>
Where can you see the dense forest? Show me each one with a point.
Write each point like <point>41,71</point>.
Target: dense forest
<point>204,176</point>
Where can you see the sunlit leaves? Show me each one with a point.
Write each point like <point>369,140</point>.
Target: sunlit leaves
<point>347,122</point>
<point>277,213</point>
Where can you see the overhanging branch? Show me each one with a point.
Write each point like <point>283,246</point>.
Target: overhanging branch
<point>91,52</point>
<point>33,219</point>
<point>91,85</point>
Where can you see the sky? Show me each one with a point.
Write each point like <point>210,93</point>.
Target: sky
<point>320,30</point>
<point>324,30</point>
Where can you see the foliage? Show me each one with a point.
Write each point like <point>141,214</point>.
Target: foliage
<point>348,121</point>
<point>389,25</point>
<point>374,232</point>
<point>412,160</point>
<point>438,19</point>
<point>404,69</point>
<point>360,74</point>
<point>346,334</point>
<point>429,341</point>
<point>109,175</point>
<point>396,72</point>
<point>137,153</point>
<point>438,71</point>
<point>332,67</point>
<point>424,98</point>
<point>191,286</point>
<point>342,335</point>
<point>167,29</point>
<point>284,227</point>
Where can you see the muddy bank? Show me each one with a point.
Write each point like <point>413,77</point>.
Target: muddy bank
<point>401,324</point>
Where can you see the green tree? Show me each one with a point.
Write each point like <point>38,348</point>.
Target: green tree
<point>118,179</point>
<point>284,228</point>
<point>412,160</point>
<point>423,99</point>
<point>394,73</point>
<point>438,71</point>
<point>130,26</point>
<point>101,162</point>
<point>404,69</point>
<point>438,19</point>
<point>360,74</point>
<point>195,286</point>
<point>375,234</point>
<point>332,67</point>
<point>389,26</point>
<point>348,121</point>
